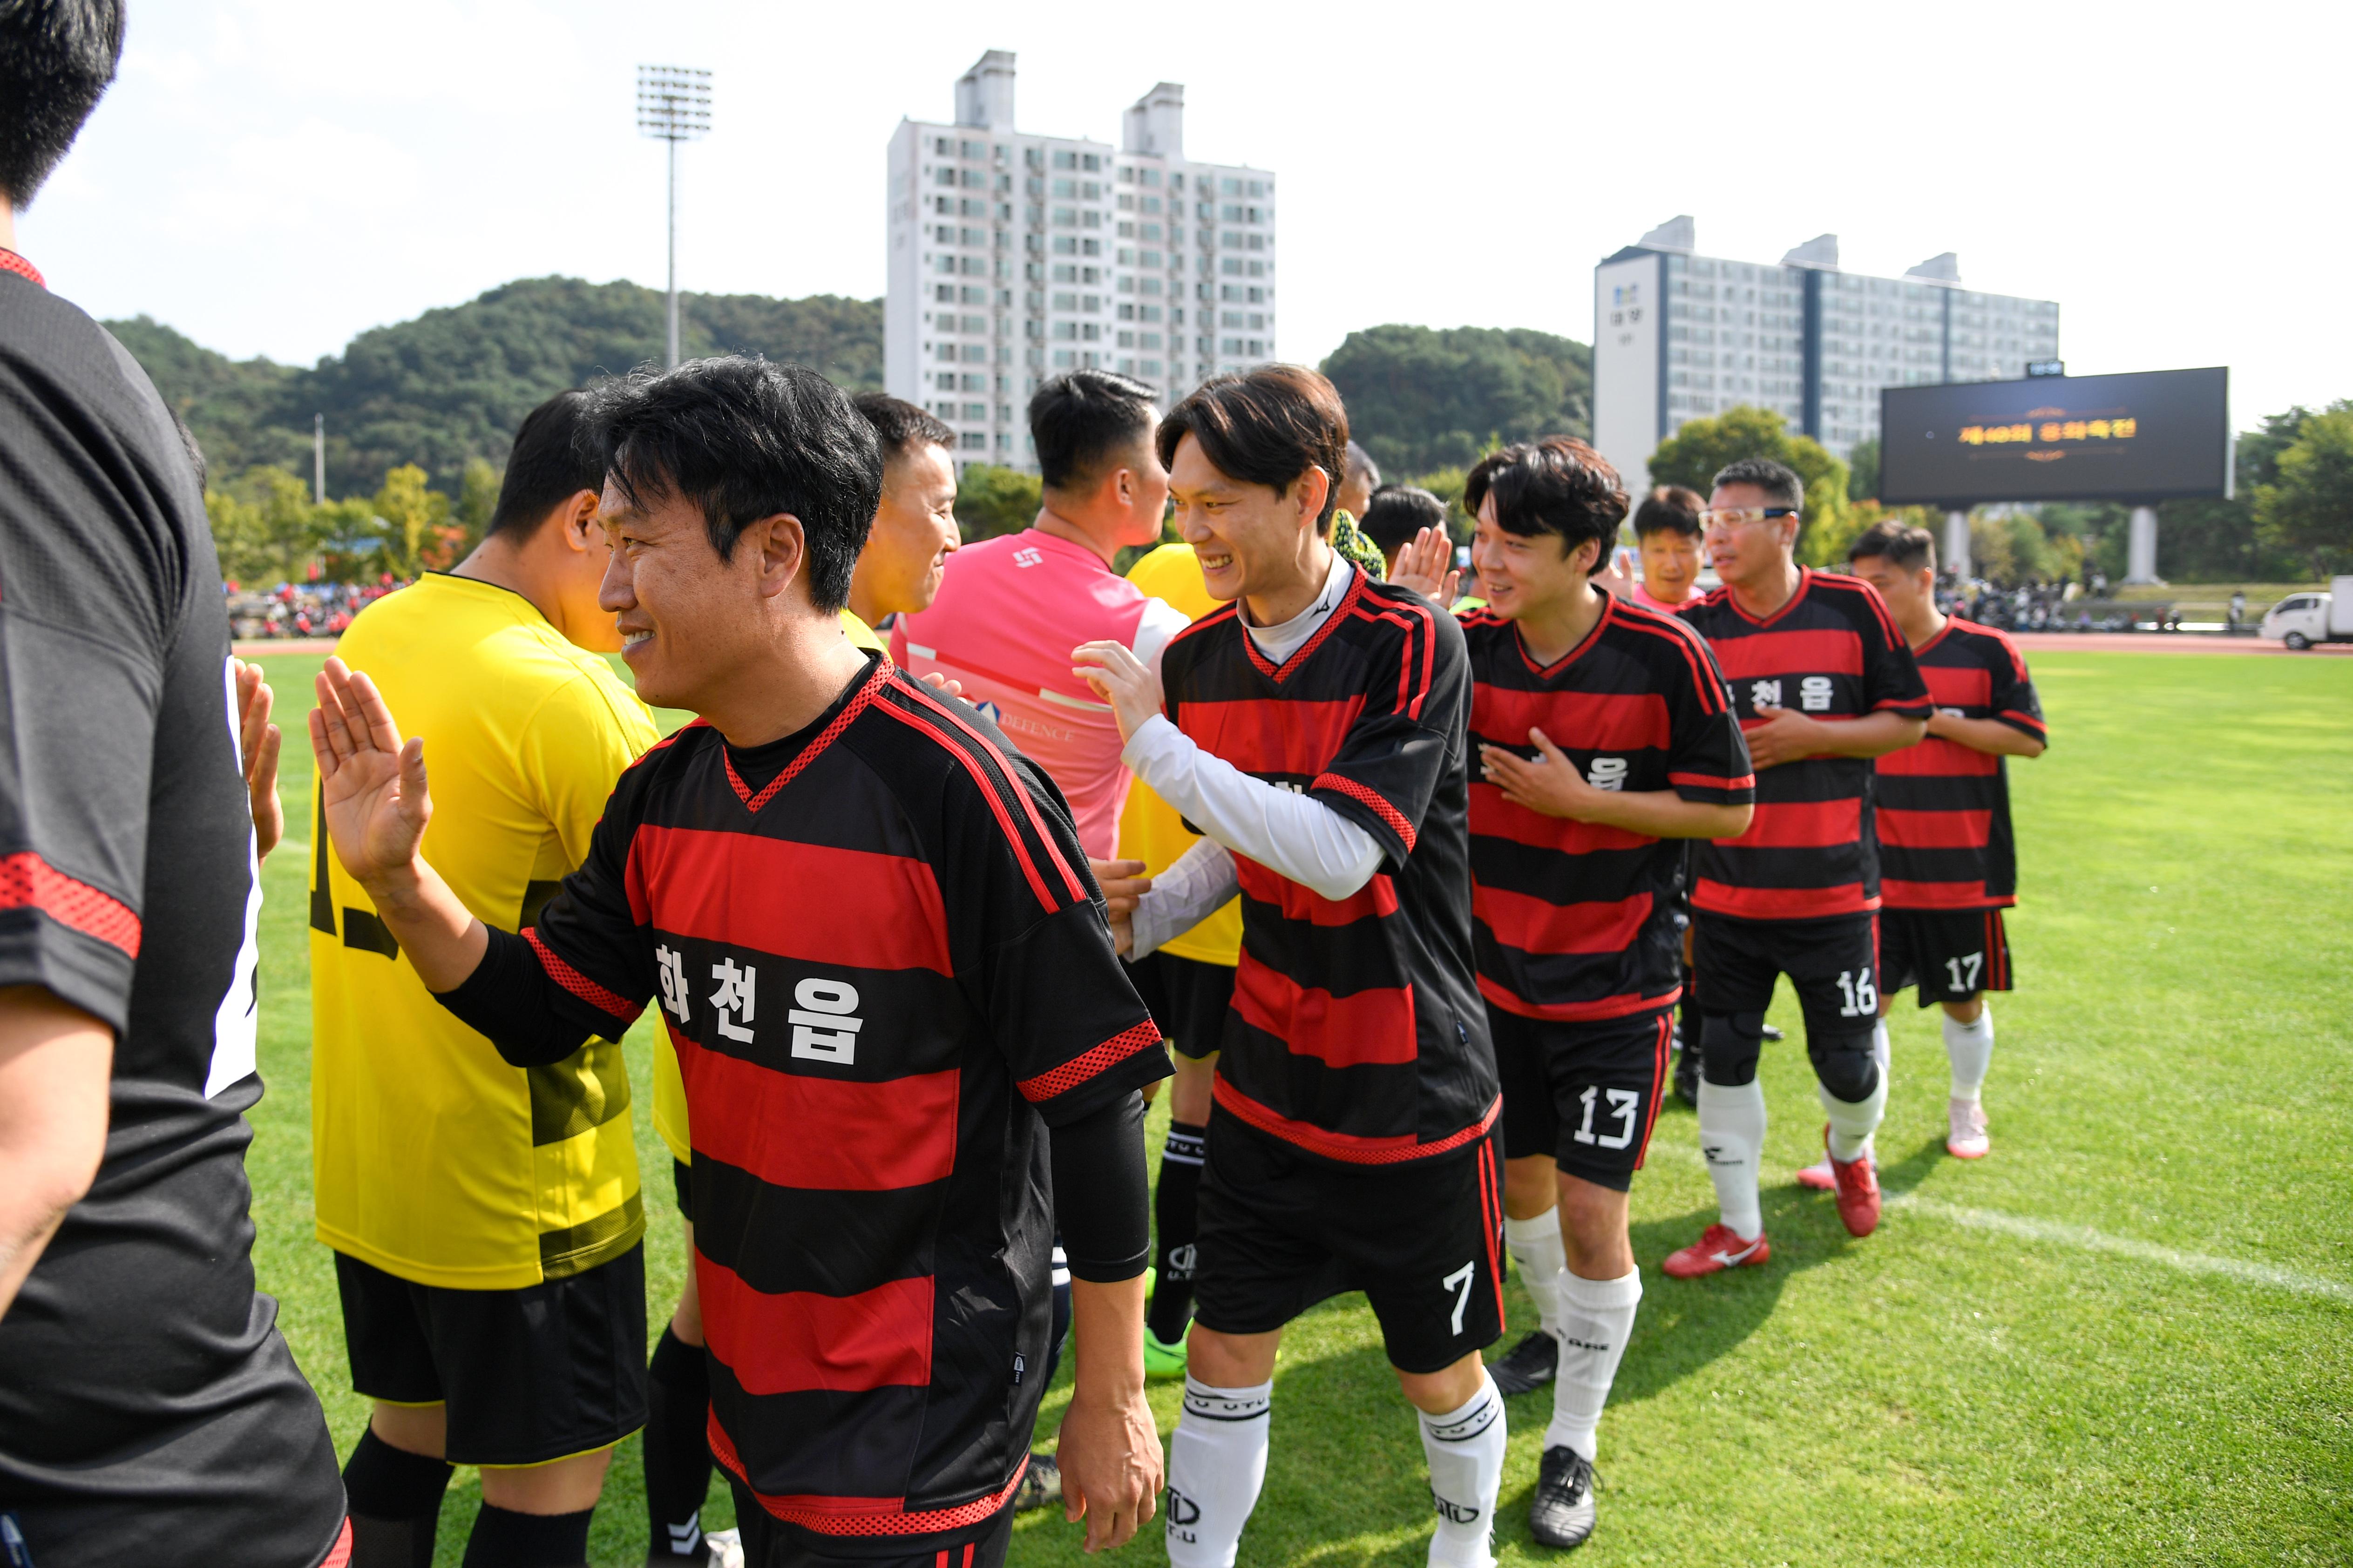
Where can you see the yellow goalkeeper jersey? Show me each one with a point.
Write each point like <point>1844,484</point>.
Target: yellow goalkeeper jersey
<point>435,1161</point>
<point>669,1088</point>
<point>1149,828</point>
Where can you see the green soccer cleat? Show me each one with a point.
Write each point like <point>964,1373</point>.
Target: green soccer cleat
<point>1164,1359</point>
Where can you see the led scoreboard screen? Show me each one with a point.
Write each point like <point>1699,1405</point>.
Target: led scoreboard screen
<point>2139,438</point>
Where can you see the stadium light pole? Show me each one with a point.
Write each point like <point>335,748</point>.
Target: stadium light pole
<point>673,105</point>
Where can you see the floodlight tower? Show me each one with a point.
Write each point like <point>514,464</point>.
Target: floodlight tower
<point>673,105</point>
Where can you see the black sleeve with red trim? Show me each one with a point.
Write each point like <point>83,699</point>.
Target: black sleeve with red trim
<point>1045,973</point>
<point>1891,681</point>
<point>2013,699</point>
<point>1411,731</point>
<point>1103,1194</point>
<point>92,579</point>
<point>1708,761</point>
<point>509,999</point>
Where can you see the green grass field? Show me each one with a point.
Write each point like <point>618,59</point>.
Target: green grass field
<point>2122,1338</point>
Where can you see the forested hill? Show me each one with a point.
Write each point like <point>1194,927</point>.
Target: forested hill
<point>1422,398</point>
<point>453,383</point>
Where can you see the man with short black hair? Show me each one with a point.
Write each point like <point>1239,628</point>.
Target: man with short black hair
<point>1396,516</point>
<point>1667,534</point>
<point>1606,738</point>
<point>150,1410</point>
<point>1824,683</point>
<point>861,911</point>
<point>486,1220</point>
<point>898,572</point>
<point>1010,609</point>
<point>1948,856</point>
<point>1315,733</point>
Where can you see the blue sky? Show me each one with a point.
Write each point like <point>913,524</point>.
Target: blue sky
<point>272,176</point>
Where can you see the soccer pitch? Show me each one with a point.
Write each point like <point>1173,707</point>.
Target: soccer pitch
<point>2121,1338</point>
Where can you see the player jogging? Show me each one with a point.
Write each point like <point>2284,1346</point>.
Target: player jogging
<point>485,1218</point>
<point>898,572</point>
<point>883,970</point>
<point>1188,984</point>
<point>1948,860</point>
<point>1824,682</point>
<point>1606,736</point>
<point>1315,733</point>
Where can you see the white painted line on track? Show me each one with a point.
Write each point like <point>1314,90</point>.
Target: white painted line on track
<point>2084,1238</point>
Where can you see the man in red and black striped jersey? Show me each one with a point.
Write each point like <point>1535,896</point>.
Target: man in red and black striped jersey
<point>886,974</point>
<point>1948,864</point>
<point>1315,733</point>
<point>1605,734</point>
<point>1824,683</point>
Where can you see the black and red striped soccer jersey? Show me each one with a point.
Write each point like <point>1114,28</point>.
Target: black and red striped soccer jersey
<point>1356,1032</point>
<point>1945,840</point>
<point>879,955</point>
<point>1832,652</point>
<point>1575,920</point>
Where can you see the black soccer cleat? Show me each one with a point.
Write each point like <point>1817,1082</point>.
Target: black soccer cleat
<point>1771,1033</point>
<point>1561,1512</point>
<point>1042,1484</point>
<point>1529,1365</point>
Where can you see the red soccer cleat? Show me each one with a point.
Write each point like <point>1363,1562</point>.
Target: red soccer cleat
<point>1857,1193</point>
<point>1817,1176</point>
<point>1719,1248</point>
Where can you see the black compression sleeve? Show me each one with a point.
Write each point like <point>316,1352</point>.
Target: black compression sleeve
<point>510,998</point>
<point>1103,1196</point>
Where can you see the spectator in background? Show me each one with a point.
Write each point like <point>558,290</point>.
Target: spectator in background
<point>906,554</point>
<point>150,1411</point>
<point>1396,516</point>
<point>1667,529</point>
<point>1356,487</point>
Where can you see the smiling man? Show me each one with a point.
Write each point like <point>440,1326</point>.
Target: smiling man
<point>1824,682</point>
<point>1314,732</point>
<point>1606,736</point>
<point>862,913</point>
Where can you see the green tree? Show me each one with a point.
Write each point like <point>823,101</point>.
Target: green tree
<point>1863,471</point>
<point>1422,398</point>
<point>266,527</point>
<point>1693,454</point>
<point>991,501</point>
<point>413,522</point>
<point>2307,511</point>
<point>477,498</point>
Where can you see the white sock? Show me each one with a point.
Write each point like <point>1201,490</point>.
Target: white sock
<point>1596,1317</point>
<point>1969,1047</point>
<point>1217,1462</point>
<point>1732,1137</point>
<point>1465,1448</point>
<point>1535,1245</point>
<point>1853,1122</point>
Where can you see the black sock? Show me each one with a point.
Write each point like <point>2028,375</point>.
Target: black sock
<point>505,1539</point>
<point>677,1449</point>
<point>396,1501</point>
<point>1175,1216</point>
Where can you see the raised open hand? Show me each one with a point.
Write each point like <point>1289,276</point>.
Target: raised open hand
<point>374,787</point>
<point>257,741</point>
<point>1427,567</point>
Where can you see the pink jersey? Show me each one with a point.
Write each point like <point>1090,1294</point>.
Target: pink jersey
<point>1009,611</point>
<point>1647,600</point>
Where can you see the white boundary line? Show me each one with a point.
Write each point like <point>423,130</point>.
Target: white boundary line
<point>2084,1238</point>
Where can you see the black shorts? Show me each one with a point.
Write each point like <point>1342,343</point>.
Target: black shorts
<point>1949,954</point>
<point>1832,964</point>
<point>769,1543</point>
<point>528,1375</point>
<point>1282,1230</point>
<point>1587,1094</point>
<point>1187,998</point>
<point>681,1175</point>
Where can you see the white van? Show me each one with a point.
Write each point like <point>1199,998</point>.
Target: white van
<point>2300,620</point>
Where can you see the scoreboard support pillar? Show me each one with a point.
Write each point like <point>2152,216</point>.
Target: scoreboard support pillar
<point>2140,547</point>
<point>1956,545</point>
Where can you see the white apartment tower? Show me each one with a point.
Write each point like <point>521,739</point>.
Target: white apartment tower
<point>1680,336</point>
<point>1015,256</point>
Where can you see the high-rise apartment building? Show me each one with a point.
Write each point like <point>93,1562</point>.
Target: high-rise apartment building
<point>1680,336</point>
<point>1014,256</point>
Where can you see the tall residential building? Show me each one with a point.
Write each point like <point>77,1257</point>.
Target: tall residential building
<point>1014,256</point>
<point>1678,336</point>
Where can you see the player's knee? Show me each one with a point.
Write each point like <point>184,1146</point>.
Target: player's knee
<point>1845,1066</point>
<point>1729,1043</point>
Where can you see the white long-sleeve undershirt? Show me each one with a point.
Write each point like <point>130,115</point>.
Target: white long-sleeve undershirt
<point>1287,832</point>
